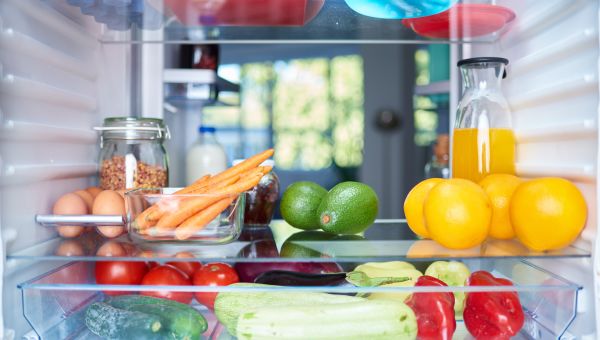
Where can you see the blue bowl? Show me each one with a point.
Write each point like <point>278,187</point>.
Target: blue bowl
<point>399,9</point>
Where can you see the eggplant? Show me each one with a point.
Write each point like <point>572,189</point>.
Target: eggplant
<point>289,278</point>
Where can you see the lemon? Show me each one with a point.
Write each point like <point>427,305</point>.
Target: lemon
<point>457,214</point>
<point>499,188</point>
<point>547,213</point>
<point>413,206</point>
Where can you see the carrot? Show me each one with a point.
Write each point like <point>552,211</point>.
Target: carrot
<point>217,185</point>
<point>247,164</point>
<point>195,223</point>
<point>191,206</point>
<point>207,183</point>
<point>152,215</point>
<point>203,181</point>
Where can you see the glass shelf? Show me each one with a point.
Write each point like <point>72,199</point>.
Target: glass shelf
<point>386,240</point>
<point>314,21</point>
<point>54,303</point>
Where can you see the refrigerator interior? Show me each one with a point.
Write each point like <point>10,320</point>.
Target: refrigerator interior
<point>62,73</point>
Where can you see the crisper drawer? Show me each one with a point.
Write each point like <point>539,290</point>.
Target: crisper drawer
<point>55,303</point>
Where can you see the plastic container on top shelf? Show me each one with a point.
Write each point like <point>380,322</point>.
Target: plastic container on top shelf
<point>206,156</point>
<point>483,139</point>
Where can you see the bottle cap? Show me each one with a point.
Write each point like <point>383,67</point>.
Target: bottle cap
<point>268,162</point>
<point>202,129</point>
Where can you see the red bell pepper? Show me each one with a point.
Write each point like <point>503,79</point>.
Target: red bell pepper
<point>434,311</point>
<point>492,315</point>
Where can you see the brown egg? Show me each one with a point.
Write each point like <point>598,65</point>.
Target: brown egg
<point>109,202</point>
<point>112,248</point>
<point>70,248</point>
<point>86,197</point>
<point>70,204</point>
<point>94,191</point>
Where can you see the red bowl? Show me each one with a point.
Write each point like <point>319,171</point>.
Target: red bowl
<point>245,12</point>
<point>471,20</point>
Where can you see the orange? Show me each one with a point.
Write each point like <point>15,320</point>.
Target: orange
<point>547,213</point>
<point>457,214</point>
<point>499,188</point>
<point>413,206</point>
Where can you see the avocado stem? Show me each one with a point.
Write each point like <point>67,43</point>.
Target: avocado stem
<point>325,219</point>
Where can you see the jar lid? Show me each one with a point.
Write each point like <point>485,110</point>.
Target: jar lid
<point>130,128</point>
<point>268,162</point>
<point>481,60</point>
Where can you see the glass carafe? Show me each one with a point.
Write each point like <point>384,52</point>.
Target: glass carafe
<point>483,141</point>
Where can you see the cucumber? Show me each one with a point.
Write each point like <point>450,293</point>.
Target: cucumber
<point>182,321</point>
<point>180,325</point>
<point>113,323</point>
<point>373,320</point>
<point>230,305</point>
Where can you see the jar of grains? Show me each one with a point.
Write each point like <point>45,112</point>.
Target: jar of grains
<point>132,153</point>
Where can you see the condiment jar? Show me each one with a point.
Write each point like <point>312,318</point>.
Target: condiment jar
<point>132,153</point>
<point>260,201</point>
<point>483,141</point>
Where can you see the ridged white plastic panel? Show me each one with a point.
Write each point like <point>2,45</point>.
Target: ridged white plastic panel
<point>552,89</point>
<point>56,82</point>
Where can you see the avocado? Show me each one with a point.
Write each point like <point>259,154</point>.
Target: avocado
<point>348,208</point>
<point>299,205</point>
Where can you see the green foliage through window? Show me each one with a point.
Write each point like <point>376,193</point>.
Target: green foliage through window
<point>311,108</point>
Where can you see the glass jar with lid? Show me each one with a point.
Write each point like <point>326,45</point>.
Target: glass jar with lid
<point>260,201</point>
<point>132,154</point>
<point>483,141</point>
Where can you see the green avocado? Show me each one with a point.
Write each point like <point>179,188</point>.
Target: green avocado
<point>299,205</point>
<point>348,208</point>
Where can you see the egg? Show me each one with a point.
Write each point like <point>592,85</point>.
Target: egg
<point>94,191</point>
<point>70,248</point>
<point>70,204</point>
<point>112,248</point>
<point>86,197</point>
<point>109,202</point>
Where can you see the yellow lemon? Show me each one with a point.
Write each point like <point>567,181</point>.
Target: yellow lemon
<point>547,213</point>
<point>413,206</point>
<point>499,188</point>
<point>458,214</point>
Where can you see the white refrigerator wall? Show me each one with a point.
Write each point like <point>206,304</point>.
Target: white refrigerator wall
<point>56,82</point>
<point>552,89</point>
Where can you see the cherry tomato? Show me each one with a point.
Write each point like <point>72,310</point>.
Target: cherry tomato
<point>120,273</point>
<point>166,275</point>
<point>189,268</point>
<point>213,274</point>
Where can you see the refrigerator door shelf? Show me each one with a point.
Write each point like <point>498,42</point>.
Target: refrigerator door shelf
<point>54,303</point>
<point>386,240</point>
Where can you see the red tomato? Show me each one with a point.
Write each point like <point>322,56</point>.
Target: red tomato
<point>120,273</point>
<point>213,274</point>
<point>166,275</point>
<point>189,268</point>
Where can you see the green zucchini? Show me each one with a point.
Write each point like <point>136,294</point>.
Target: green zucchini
<point>230,305</point>
<point>113,323</point>
<point>182,321</point>
<point>373,320</point>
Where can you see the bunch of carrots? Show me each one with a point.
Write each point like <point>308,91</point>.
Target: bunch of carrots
<point>185,215</point>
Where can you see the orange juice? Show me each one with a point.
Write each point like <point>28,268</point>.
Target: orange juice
<point>479,152</point>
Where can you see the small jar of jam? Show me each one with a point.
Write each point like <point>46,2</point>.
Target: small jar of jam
<point>260,201</point>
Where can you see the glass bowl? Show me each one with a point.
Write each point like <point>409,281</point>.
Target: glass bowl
<point>160,216</point>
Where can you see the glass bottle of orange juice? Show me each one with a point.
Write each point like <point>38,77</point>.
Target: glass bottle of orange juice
<point>483,141</point>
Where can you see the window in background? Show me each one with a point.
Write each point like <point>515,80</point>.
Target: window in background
<point>431,110</point>
<point>310,110</point>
